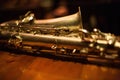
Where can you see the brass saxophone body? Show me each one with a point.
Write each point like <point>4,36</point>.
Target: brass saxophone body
<point>63,36</point>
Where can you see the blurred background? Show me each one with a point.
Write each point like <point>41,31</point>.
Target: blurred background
<point>103,14</point>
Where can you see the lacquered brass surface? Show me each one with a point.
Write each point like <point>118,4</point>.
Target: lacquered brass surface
<point>64,36</point>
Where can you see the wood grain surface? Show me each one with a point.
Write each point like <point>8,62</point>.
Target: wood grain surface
<point>27,67</point>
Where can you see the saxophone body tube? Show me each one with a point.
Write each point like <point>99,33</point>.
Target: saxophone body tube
<point>60,45</point>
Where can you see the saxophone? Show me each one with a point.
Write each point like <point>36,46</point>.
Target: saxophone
<point>64,36</point>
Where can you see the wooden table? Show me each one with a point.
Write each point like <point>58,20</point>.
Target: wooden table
<point>27,67</point>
